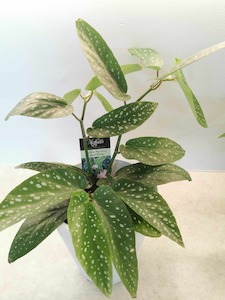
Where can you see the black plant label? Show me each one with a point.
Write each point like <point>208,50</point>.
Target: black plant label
<point>99,153</point>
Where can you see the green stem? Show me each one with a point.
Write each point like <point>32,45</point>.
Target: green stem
<point>114,154</point>
<point>153,87</point>
<point>85,138</point>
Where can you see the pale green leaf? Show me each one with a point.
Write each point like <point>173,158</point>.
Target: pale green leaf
<point>192,100</point>
<point>121,238</point>
<point>41,105</point>
<point>153,175</point>
<point>107,106</point>
<point>149,58</point>
<point>71,96</point>
<point>149,205</point>
<point>90,241</point>
<point>102,60</point>
<point>222,135</point>
<point>122,119</point>
<point>94,83</point>
<point>39,193</point>
<point>152,151</point>
<point>193,58</point>
<point>35,229</point>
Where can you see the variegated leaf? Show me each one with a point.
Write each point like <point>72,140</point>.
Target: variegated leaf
<point>143,227</point>
<point>35,229</point>
<point>41,105</point>
<point>121,238</point>
<point>192,100</point>
<point>39,193</point>
<point>90,241</point>
<point>102,60</point>
<point>101,229</point>
<point>122,119</point>
<point>193,58</point>
<point>149,58</point>
<point>149,205</point>
<point>40,166</point>
<point>94,83</point>
<point>152,151</point>
<point>153,175</point>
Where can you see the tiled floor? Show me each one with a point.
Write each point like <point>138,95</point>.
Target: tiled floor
<point>166,271</point>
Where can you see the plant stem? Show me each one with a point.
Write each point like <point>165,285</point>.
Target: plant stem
<point>114,154</point>
<point>85,138</point>
<point>153,87</point>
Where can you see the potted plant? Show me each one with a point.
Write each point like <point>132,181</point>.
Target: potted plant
<point>103,210</point>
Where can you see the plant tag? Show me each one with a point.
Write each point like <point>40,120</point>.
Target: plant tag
<point>99,154</point>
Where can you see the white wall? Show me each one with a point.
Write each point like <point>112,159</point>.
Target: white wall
<point>40,52</point>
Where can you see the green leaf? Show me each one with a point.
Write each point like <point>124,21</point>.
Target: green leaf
<point>192,100</point>
<point>43,166</point>
<point>94,83</point>
<point>39,193</point>
<point>102,60</point>
<point>35,229</point>
<point>193,58</point>
<point>90,241</point>
<point>153,175</point>
<point>102,233</point>
<point>40,166</point>
<point>152,151</point>
<point>149,58</point>
<point>130,68</point>
<point>71,96</point>
<point>222,135</point>
<point>143,227</point>
<point>105,181</point>
<point>121,238</point>
<point>107,106</point>
<point>122,119</point>
<point>149,205</point>
<point>41,105</point>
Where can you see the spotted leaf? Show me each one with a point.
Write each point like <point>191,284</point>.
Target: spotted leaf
<point>122,119</point>
<point>143,227</point>
<point>149,58</point>
<point>71,96</point>
<point>193,58</point>
<point>90,241</point>
<point>152,150</point>
<point>35,229</point>
<point>102,60</point>
<point>39,193</point>
<point>192,100</point>
<point>120,234</point>
<point>43,166</point>
<point>94,83</point>
<point>153,175</point>
<point>41,105</point>
<point>149,205</point>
